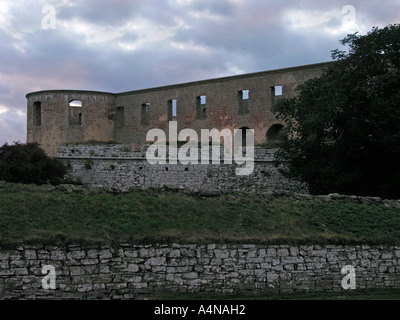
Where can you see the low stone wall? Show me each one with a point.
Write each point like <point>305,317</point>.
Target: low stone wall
<point>118,166</point>
<point>129,271</point>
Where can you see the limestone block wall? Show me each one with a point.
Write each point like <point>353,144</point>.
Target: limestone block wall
<point>118,166</point>
<point>127,271</point>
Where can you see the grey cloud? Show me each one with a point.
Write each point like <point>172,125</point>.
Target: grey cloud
<point>102,12</point>
<point>250,36</point>
<point>4,88</point>
<point>12,127</point>
<point>223,8</point>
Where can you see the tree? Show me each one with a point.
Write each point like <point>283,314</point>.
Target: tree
<point>344,127</point>
<point>28,163</point>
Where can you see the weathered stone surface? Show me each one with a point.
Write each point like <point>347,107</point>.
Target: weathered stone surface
<point>102,114</point>
<point>131,171</point>
<point>57,255</point>
<point>282,252</point>
<point>84,273</point>
<point>132,268</point>
<point>30,254</point>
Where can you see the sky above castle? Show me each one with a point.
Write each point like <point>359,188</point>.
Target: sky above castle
<point>120,45</point>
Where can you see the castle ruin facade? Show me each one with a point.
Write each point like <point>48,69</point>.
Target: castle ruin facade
<point>58,117</point>
<point>61,121</point>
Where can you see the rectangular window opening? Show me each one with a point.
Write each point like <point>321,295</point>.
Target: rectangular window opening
<point>278,91</point>
<point>276,94</point>
<point>37,114</point>
<point>204,113</point>
<point>75,113</point>
<point>172,109</point>
<point>201,107</point>
<point>146,113</point>
<point>119,119</point>
<point>244,97</point>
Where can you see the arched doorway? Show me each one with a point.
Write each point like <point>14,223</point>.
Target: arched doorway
<point>275,133</point>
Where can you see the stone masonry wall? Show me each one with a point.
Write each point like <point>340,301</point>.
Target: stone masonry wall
<point>129,271</point>
<point>118,166</point>
<point>55,129</point>
<point>127,116</point>
<point>223,99</point>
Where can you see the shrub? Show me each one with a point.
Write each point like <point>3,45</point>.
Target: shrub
<point>28,163</point>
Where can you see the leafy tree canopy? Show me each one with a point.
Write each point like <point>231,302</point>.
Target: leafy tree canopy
<point>28,163</point>
<point>344,127</point>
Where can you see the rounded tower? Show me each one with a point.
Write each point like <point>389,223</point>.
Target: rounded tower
<point>56,117</point>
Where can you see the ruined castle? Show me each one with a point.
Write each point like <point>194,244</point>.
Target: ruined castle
<point>57,118</point>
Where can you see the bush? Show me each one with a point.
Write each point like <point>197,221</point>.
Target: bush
<point>28,163</point>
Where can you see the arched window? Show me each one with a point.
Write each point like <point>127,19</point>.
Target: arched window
<point>275,133</point>
<point>76,104</point>
<point>37,114</point>
<point>75,113</point>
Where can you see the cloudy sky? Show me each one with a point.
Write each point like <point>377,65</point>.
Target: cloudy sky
<point>123,45</point>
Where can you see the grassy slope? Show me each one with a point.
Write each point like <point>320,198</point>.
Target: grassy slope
<point>29,214</point>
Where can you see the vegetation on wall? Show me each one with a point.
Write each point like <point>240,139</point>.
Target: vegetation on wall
<point>343,127</point>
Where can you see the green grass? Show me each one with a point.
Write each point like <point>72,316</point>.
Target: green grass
<point>31,214</point>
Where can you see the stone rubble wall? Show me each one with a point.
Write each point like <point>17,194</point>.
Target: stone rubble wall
<point>131,271</point>
<point>118,166</point>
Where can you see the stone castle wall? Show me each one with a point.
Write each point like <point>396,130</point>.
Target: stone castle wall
<point>129,271</point>
<point>127,117</point>
<point>117,166</point>
<point>51,124</point>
